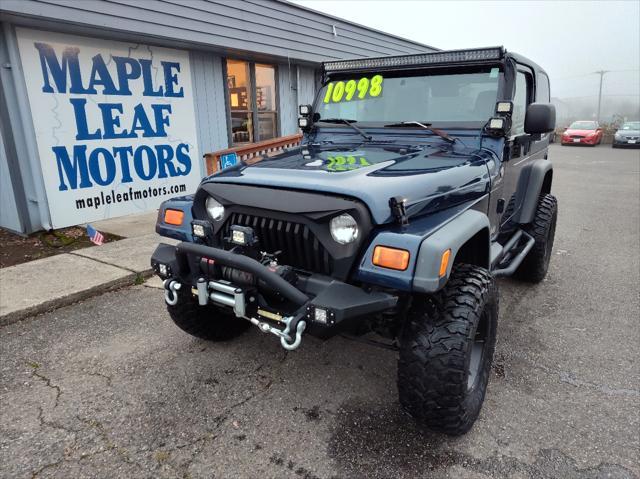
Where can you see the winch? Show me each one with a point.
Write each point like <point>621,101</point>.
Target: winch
<point>244,302</point>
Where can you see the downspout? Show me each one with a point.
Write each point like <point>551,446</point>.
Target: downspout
<point>38,195</point>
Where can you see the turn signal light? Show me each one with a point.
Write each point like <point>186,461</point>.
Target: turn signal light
<point>391,258</point>
<point>444,262</point>
<point>173,217</point>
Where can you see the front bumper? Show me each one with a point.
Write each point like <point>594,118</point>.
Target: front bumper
<point>316,304</point>
<point>580,141</point>
<point>632,143</point>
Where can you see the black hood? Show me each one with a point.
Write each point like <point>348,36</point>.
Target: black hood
<point>429,177</point>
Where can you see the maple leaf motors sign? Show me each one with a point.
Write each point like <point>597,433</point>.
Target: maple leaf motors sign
<point>114,123</point>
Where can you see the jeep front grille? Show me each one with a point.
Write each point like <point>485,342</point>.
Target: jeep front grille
<point>300,247</point>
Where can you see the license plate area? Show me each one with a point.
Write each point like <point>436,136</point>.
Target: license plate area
<point>576,140</point>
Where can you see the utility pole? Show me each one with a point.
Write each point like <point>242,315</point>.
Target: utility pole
<point>601,73</point>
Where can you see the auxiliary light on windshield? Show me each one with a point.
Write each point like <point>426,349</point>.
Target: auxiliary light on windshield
<point>504,107</point>
<point>497,126</point>
<point>452,56</point>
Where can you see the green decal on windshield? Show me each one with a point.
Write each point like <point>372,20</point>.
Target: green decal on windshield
<point>346,163</point>
<point>351,90</point>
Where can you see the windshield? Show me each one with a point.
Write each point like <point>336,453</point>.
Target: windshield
<point>583,125</point>
<point>396,97</point>
<point>631,125</point>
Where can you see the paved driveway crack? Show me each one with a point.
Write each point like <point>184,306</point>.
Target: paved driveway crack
<point>46,380</point>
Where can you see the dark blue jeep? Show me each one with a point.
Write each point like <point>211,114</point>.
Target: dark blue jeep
<point>419,180</point>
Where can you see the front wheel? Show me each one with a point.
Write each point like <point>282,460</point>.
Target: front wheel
<point>205,322</point>
<point>446,351</point>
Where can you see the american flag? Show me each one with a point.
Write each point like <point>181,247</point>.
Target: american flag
<point>94,235</point>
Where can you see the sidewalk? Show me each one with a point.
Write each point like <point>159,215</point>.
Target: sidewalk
<point>49,283</point>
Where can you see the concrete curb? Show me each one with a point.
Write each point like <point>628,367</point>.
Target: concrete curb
<point>62,301</point>
<point>46,284</point>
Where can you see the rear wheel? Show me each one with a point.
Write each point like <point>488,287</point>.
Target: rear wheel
<point>543,229</point>
<point>205,322</point>
<point>446,350</point>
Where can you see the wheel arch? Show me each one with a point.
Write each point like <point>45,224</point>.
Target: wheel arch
<point>475,250</point>
<point>467,236</point>
<point>539,182</point>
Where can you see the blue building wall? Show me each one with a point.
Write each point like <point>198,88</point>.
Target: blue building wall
<point>293,38</point>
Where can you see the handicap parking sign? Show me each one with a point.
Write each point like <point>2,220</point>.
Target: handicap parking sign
<point>228,160</point>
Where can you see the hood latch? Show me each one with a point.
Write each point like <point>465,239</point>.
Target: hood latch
<point>399,210</point>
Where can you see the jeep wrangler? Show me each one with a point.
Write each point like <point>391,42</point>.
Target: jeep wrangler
<point>419,180</point>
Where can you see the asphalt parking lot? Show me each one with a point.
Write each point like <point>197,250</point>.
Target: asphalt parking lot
<point>111,388</point>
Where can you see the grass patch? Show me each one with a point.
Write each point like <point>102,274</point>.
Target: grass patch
<point>161,456</point>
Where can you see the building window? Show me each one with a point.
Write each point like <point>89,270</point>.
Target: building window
<point>251,90</point>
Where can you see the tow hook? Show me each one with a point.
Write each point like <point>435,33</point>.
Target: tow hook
<point>299,325</point>
<point>171,287</point>
<point>291,323</point>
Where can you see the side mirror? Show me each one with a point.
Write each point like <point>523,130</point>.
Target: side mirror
<point>540,118</point>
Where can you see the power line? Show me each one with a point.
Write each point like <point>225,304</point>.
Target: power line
<point>603,96</point>
<point>589,74</point>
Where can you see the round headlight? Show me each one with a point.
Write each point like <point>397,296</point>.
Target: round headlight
<point>215,209</point>
<point>344,229</point>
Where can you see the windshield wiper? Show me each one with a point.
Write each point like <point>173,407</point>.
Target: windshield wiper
<point>350,123</point>
<point>426,126</point>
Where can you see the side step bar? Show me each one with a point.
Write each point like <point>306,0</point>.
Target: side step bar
<point>516,261</point>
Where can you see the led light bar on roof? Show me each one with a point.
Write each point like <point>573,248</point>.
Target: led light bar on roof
<point>454,56</point>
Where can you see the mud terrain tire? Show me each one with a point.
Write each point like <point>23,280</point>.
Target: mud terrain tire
<point>446,350</point>
<point>543,229</point>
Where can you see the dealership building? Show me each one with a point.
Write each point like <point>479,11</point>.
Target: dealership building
<point>109,107</point>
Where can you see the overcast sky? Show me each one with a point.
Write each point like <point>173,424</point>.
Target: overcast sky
<point>569,39</point>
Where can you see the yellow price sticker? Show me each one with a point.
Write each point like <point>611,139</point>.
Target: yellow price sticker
<point>350,90</point>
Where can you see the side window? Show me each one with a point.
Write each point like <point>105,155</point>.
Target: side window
<point>543,94</point>
<point>521,100</point>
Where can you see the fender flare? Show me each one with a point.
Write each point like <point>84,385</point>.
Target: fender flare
<point>537,173</point>
<point>452,236</point>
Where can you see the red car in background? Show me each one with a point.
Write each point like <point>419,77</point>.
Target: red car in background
<point>583,133</point>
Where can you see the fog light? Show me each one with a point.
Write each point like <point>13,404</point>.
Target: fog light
<point>163,270</point>
<point>321,315</point>
<point>198,230</point>
<point>238,237</point>
<point>242,235</point>
<point>303,122</point>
